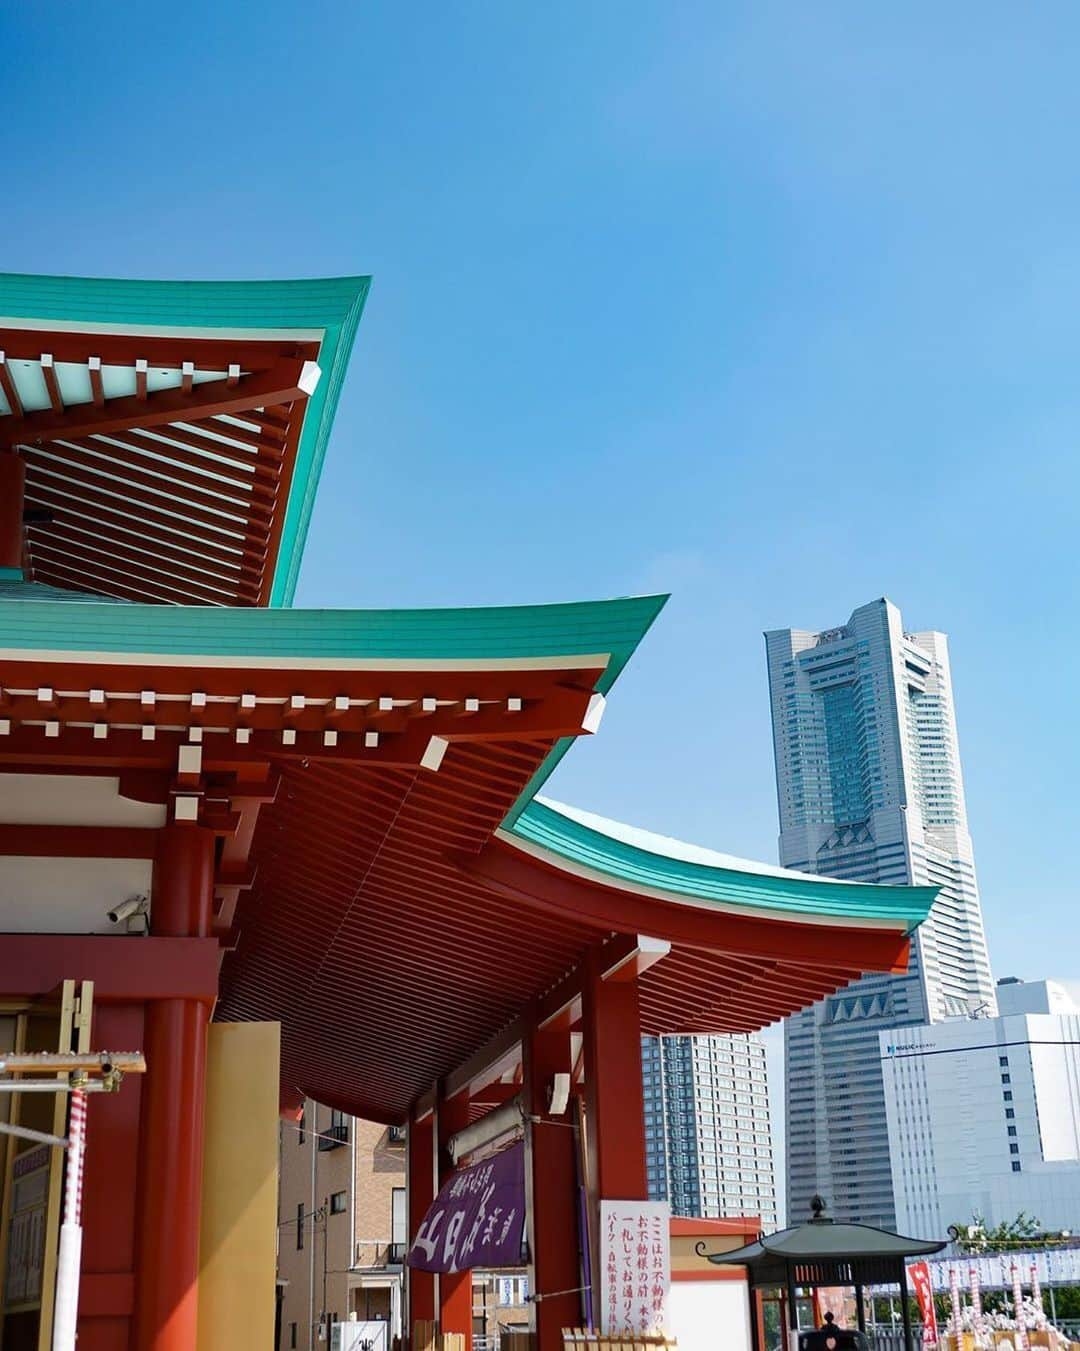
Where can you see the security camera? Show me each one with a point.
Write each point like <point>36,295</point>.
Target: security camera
<point>128,910</point>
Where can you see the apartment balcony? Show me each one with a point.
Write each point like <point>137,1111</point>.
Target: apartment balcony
<point>336,1133</point>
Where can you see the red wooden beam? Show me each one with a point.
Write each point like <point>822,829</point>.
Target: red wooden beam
<point>79,503</point>
<point>180,492</point>
<point>537,884</point>
<point>122,968</point>
<point>49,841</point>
<point>259,443</point>
<point>123,349</point>
<point>161,457</point>
<point>99,580</point>
<point>286,380</point>
<point>117,546</point>
<point>259,465</point>
<point>54,552</point>
<point>7,384</point>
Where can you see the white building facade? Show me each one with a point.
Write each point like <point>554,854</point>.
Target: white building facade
<point>708,1146</point>
<point>869,788</point>
<point>984,1114</point>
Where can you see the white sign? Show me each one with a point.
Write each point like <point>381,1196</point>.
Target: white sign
<point>635,1267</point>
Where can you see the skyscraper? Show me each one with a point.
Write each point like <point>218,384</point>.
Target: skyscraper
<point>707,1144</point>
<point>869,788</point>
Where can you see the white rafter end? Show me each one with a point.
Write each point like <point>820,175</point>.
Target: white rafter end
<point>433,755</point>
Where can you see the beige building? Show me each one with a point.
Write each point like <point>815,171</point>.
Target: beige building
<point>341,1226</point>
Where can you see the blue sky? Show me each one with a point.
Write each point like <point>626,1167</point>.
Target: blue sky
<point>773,306</point>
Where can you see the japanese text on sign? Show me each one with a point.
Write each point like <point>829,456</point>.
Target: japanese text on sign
<point>635,1267</point>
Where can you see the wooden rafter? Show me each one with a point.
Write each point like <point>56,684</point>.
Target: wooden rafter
<point>7,384</point>
<point>286,380</point>
<point>52,385</point>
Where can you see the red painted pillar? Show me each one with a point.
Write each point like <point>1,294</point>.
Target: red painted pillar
<point>421,1193</point>
<point>614,1096</point>
<point>455,1290</point>
<point>552,1190</point>
<point>171,1131</point>
<point>12,490</point>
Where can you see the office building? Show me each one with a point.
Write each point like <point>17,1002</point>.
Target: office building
<point>984,1114</point>
<point>707,1141</point>
<point>870,789</point>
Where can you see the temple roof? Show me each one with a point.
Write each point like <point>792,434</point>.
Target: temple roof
<point>608,851</point>
<point>372,774</point>
<point>824,1240</point>
<point>173,431</point>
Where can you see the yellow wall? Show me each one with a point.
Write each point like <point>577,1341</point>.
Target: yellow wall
<point>239,1212</point>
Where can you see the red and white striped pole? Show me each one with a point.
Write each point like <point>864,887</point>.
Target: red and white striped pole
<point>69,1260</point>
<point>1022,1343</point>
<point>976,1296</point>
<point>957,1306</point>
<point>1036,1288</point>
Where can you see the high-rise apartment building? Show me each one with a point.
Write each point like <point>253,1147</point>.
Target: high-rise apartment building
<point>707,1143</point>
<point>870,789</point>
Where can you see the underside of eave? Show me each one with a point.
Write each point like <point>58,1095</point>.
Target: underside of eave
<point>136,497</point>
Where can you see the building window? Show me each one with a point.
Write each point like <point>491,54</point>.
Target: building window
<point>1003,1060</point>
<point>292,1334</point>
<point>337,1203</point>
<point>398,1225</point>
<point>1006,1079</point>
<point>1014,1149</point>
<point>1010,1112</point>
<point>337,1133</point>
<point>300,1226</point>
<point>1016,1165</point>
<point>303,1125</point>
<point>1007,1095</point>
<point>1012,1130</point>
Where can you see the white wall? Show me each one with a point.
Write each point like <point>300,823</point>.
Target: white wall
<point>705,1315</point>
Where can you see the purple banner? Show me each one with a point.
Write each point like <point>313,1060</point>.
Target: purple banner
<point>477,1218</point>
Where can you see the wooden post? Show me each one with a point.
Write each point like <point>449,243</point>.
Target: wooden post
<point>454,1289</point>
<point>905,1312</point>
<point>555,1273</point>
<point>420,1192</point>
<point>171,1145</point>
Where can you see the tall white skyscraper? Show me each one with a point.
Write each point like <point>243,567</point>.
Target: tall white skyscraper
<point>869,788</point>
<point>708,1148</point>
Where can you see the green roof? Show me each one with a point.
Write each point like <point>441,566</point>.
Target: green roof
<point>608,629</point>
<point>726,882</point>
<point>329,308</point>
<point>611,629</point>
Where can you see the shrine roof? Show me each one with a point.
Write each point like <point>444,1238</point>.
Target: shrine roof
<point>174,431</point>
<point>614,854</point>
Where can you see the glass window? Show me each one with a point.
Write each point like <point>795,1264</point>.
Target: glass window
<point>397,1222</point>
<point>300,1226</point>
<point>337,1203</point>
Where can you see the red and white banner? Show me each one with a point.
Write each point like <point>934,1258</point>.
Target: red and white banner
<point>919,1276</point>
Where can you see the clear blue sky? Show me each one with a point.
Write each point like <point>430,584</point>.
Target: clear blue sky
<point>774,306</point>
